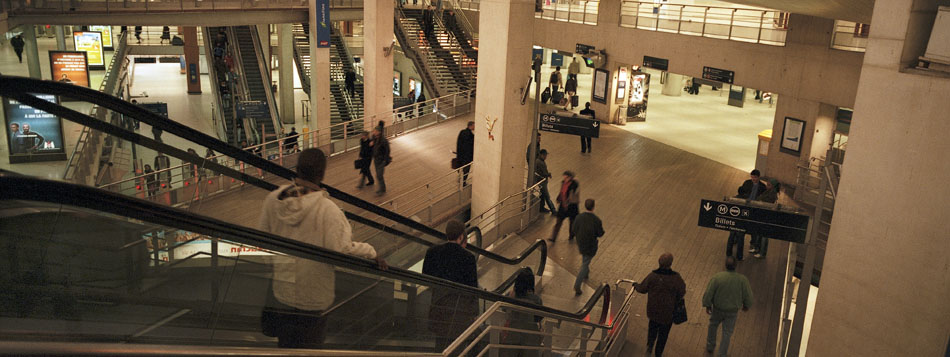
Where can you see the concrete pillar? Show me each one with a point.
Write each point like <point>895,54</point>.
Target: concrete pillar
<point>504,67</point>
<point>674,85</point>
<point>60,38</point>
<point>886,276</point>
<point>285,72</point>
<point>319,75</point>
<point>378,66</point>
<point>31,52</point>
<point>192,62</point>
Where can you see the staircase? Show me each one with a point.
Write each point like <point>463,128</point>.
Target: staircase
<point>257,84</point>
<point>450,67</point>
<point>345,107</point>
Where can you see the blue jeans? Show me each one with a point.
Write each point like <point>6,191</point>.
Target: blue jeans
<point>734,239</point>
<point>584,272</point>
<point>728,321</point>
<point>546,198</point>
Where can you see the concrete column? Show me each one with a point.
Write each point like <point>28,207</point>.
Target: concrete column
<point>319,75</point>
<point>886,276</point>
<point>504,67</point>
<point>674,85</point>
<point>60,38</point>
<point>378,67</point>
<point>31,51</point>
<point>192,62</point>
<point>285,72</point>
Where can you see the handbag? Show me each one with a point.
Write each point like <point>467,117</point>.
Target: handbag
<point>358,164</point>
<point>455,163</point>
<point>679,312</point>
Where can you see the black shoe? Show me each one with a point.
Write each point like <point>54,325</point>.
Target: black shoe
<point>370,183</point>
<point>578,292</point>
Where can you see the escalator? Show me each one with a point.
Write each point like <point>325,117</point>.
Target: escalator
<point>138,271</point>
<point>246,48</point>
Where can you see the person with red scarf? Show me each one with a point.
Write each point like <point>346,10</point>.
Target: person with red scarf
<point>567,202</point>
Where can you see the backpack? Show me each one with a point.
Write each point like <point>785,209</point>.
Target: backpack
<point>553,78</point>
<point>177,41</point>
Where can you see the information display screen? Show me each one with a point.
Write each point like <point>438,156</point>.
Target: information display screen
<point>32,134</point>
<point>91,43</point>
<point>69,67</point>
<point>106,36</point>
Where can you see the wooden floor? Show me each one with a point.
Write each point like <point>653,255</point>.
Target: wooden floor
<point>418,157</point>
<point>648,196</point>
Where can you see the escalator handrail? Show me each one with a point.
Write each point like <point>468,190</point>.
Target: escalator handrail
<point>56,192</point>
<point>539,244</point>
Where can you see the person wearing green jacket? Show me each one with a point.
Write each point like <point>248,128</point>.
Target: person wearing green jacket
<point>726,293</point>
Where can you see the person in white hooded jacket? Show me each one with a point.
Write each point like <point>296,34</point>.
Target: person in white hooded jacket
<point>304,288</point>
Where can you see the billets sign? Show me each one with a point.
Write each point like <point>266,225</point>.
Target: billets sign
<point>753,220</point>
<point>569,125</point>
<point>718,75</point>
<point>662,64</point>
<point>583,49</point>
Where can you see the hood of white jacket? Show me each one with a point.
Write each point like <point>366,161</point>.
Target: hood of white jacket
<point>292,210</point>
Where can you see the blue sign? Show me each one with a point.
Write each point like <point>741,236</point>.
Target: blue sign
<point>773,224</point>
<point>253,110</point>
<point>537,54</point>
<point>323,24</point>
<point>557,59</point>
<point>32,134</point>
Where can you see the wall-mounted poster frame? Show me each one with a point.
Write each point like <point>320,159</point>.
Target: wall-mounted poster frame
<point>32,134</point>
<point>601,87</point>
<point>91,43</point>
<point>69,67</point>
<point>792,133</point>
<point>106,36</point>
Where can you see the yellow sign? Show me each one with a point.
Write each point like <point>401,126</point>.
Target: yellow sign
<point>91,43</point>
<point>106,35</point>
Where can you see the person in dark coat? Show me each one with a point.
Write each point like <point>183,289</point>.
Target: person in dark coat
<point>350,80</point>
<point>381,158</point>
<point>451,312</point>
<point>588,229</point>
<point>750,190</point>
<point>585,140</point>
<point>166,34</point>
<point>18,44</point>
<point>151,184</point>
<point>664,287</point>
<point>138,34</point>
<point>428,20</point>
<point>567,201</point>
<point>760,244</point>
<point>525,321</point>
<point>290,143</point>
<point>366,157</point>
<point>465,148</point>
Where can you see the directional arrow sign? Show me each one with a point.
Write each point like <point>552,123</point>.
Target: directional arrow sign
<point>569,125</point>
<point>753,220</point>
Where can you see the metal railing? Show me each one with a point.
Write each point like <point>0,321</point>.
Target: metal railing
<point>738,24</point>
<point>182,183</point>
<point>152,36</point>
<point>444,80</point>
<point>850,36</point>
<point>576,11</point>
<point>511,214</point>
<point>125,6</point>
<point>448,190</point>
<point>80,167</point>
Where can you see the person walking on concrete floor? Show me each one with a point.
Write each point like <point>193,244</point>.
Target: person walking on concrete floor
<point>567,201</point>
<point>450,313</point>
<point>381,158</point>
<point>588,229</point>
<point>138,34</point>
<point>541,173</point>
<point>759,245</point>
<point>727,292</point>
<point>304,288</point>
<point>664,288</point>
<point>555,81</point>
<point>585,140</point>
<point>365,160</point>
<point>750,190</point>
<point>465,149</point>
<point>18,44</point>
<point>574,68</point>
<point>166,35</point>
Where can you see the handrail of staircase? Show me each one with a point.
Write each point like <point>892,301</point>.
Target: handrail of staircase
<point>420,54</point>
<point>466,24</point>
<point>467,72</point>
<point>106,87</point>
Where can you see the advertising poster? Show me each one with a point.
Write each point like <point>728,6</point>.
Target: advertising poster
<point>323,24</point>
<point>32,134</point>
<point>106,36</point>
<point>69,67</point>
<point>91,43</point>
<point>601,87</point>
<point>622,84</point>
<point>639,92</point>
<point>397,83</point>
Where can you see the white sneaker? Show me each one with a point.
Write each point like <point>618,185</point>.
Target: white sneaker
<point>759,255</point>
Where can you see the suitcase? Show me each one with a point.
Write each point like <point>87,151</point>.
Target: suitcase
<point>574,100</point>
<point>546,95</point>
<point>557,96</point>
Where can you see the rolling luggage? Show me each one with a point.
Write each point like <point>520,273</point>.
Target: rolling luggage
<point>557,96</point>
<point>574,100</point>
<point>546,95</point>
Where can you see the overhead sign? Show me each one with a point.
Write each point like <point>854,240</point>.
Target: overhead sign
<point>662,64</point>
<point>253,109</point>
<point>765,222</point>
<point>106,36</point>
<point>32,134</point>
<point>583,49</point>
<point>91,43</point>
<point>718,75</point>
<point>569,125</point>
<point>69,67</point>
<point>323,23</point>
<point>156,107</point>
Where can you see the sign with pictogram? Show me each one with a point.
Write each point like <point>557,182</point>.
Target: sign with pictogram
<point>569,125</point>
<point>768,223</point>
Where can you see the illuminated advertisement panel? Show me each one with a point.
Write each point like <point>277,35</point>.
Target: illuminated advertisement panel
<point>106,36</point>
<point>32,134</point>
<point>69,67</point>
<point>91,43</point>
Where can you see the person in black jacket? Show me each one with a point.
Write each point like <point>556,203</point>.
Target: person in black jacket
<point>381,158</point>
<point>588,229</point>
<point>465,148</point>
<point>750,190</point>
<point>585,140</point>
<point>18,44</point>
<point>350,80</point>
<point>366,156</point>
<point>450,313</point>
